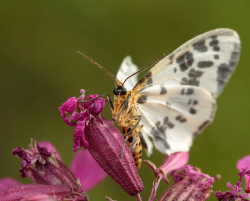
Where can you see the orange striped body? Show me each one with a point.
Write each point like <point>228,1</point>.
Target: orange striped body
<point>128,121</point>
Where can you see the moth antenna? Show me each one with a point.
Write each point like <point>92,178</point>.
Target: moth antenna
<point>144,68</point>
<point>99,66</point>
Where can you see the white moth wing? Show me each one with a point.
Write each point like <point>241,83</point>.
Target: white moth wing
<point>173,115</point>
<point>148,146</point>
<point>206,61</point>
<point>126,69</point>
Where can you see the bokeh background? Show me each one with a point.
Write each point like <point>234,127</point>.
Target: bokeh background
<point>40,69</point>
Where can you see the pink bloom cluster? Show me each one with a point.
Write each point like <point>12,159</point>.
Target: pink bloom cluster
<point>103,142</point>
<point>237,192</point>
<point>52,179</point>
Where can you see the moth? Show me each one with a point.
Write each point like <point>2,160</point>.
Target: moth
<point>175,100</point>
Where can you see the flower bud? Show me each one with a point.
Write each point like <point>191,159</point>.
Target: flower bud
<point>105,146</point>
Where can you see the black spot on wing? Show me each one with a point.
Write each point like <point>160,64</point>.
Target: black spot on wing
<point>180,119</point>
<point>195,102</point>
<point>203,125</point>
<point>192,79</point>
<point>200,46</point>
<point>234,56</point>
<point>147,77</point>
<point>169,124</point>
<point>185,60</point>
<point>216,56</point>
<point>216,48</point>
<point>171,56</point>
<point>188,91</point>
<point>150,81</point>
<point>194,73</point>
<point>223,73</point>
<point>215,44</point>
<point>142,99</point>
<point>159,137</point>
<point>205,64</point>
<point>163,90</point>
<point>189,58</point>
<point>192,111</point>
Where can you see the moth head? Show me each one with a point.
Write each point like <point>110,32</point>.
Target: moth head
<point>119,90</point>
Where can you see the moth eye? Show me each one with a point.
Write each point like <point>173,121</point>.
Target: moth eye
<point>115,91</point>
<point>124,91</point>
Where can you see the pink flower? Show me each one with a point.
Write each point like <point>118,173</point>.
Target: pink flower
<point>191,184</point>
<point>243,164</point>
<point>236,192</point>
<point>103,142</point>
<point>194,186</point>
<point>171,164</point>
<point>53,180</point>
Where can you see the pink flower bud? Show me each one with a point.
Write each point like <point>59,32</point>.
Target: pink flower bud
<point>105,146</point>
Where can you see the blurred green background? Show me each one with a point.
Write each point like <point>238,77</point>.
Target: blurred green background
<point>40,69</point>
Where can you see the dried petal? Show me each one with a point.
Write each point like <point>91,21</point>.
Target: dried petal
<point>105,146</point>
<point>79,139</point>
<point>68,107</point>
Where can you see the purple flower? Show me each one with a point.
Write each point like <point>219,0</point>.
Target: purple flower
<point>53,180</point>
<point>103,142</point>
<point>243,164</point>
<point>236,192</point>
<point>194,186</point>
<point>171,164</point>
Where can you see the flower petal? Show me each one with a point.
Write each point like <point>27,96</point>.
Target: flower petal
<point>87,170</point>
<point>95,107</point>
<point>174,163</point>
<point>79,139</point>
<point>105,145</point>
<point>7,182</point>
<point>242,164</point>
<point>50,147</point>
<point>68,107</point>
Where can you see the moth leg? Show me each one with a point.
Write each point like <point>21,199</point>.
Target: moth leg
<point>124,106</point>
<point>108,97</point>
<point>123,146</point>
<point>135,117</point>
